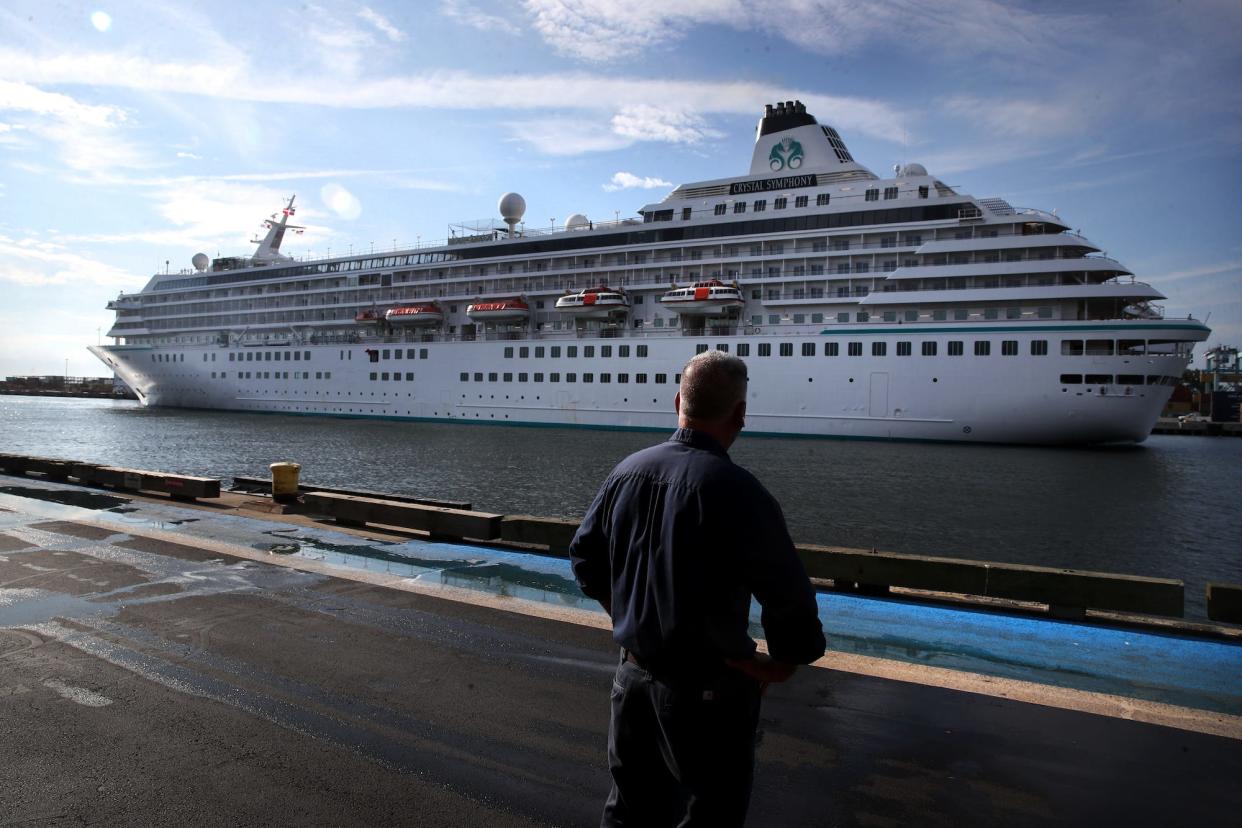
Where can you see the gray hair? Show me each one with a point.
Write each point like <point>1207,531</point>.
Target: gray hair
<point>712,383</point>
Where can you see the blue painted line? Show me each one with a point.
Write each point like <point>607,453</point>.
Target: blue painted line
<point>1172,669</point>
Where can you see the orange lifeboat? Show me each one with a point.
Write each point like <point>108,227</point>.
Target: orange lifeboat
<point>594,303</point>
<point>419,315</point>
<point>500,310</point>
<point>710,298</point>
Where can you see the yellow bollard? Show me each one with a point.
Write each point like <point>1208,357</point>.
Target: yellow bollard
<point>285,482</point>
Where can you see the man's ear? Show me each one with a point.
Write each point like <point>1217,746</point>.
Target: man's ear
<point>739,415</point>
<point>677,403</point>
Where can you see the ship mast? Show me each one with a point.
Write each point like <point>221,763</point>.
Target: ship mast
<point>269,245</point>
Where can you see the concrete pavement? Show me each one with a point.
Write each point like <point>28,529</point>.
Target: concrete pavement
<point>144,681</point>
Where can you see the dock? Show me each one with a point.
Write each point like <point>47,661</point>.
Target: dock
<point>228,661</point>
<point>1199,428</point>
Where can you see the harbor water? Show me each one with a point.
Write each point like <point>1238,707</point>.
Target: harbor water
<point>1166,508</point>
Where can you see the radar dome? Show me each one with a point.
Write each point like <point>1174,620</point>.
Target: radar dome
<point>200,261</point>
<point>915,169</point>
<point>577,222</point>
<point>512,207</point>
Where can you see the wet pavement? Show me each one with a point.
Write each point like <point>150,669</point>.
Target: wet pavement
<point>165,663</point>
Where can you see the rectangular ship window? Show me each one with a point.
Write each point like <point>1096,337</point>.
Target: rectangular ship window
<point>904,349</point>
<point>743,349</point>
<point>832,348</point>
<point>808,349</point>
<point>641,378</point>
<point>1071,379</point>
<point>492,376</point>
<point>1099,347</point>
<point>855,349</point>
<point>1071,347</point>
<point>786,349</point>
<point>1098,379</point>
<point>929,349</point>
<point>983,347</point>
<point>641,350</point>
<point>879,348</point>
<point>956,348</point>
<point>1039,347</point>
<point>508,352</point>
<point>478,376</point>
<point>661,379</point>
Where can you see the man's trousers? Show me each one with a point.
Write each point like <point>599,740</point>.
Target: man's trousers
<point>681,749</point>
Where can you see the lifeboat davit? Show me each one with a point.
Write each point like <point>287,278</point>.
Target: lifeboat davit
<point>710,298</point>
<point>499,310</point>
<point>594,303</point>
<point>370,316</point>
<point>422,314</point>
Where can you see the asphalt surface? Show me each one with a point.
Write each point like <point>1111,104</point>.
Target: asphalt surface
<point>146,682</point>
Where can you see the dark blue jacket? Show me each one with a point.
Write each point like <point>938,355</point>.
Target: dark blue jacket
<point>677,541</point>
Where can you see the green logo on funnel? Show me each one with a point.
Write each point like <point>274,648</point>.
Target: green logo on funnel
<point>785,153</point>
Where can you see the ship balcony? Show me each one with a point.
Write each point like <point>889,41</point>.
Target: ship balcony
<point>125,303</point>
<point>1046,294</point>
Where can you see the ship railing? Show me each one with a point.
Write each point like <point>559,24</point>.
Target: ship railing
<point>785,327</point>
<point>1035,212</point>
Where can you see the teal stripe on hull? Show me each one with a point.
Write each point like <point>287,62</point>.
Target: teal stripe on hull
<point>782,435</point>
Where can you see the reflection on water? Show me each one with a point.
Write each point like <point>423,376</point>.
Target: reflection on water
<point>1165,508</point>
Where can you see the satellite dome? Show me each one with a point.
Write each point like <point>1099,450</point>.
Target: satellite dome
<point>915,169</point>
<point>200,261</point>
<point>577,222</point>
<point>512,207</point>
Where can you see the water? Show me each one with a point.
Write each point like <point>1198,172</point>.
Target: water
<point>1167,508</point>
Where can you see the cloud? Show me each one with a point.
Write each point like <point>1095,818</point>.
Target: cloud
<point>382,24</point>
<point>607,30</point>
<point>32,261</point>
<point>650,123</point>
<point>88,137</point>
<point>1233,267</point>
<point>629,181</point>
<point>443,90</point>
<point>189,155</point>
<point>467,14</point>
<point>567,136</point>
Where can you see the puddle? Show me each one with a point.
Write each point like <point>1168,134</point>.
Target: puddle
<point>69,497</point>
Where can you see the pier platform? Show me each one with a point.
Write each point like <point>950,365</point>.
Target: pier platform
<point>223,663</point>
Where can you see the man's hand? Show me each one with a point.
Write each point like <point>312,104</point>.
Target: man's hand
<point>763,668</point>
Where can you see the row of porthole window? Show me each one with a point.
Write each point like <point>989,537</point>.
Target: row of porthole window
<point>1120,379</point>
<point>571,351</point>
<point>982,347</point>
<point>939,315</point>
<point>297,375</point>
<point>555,376</point>
<point>396,353</point>
<point>270,356</point>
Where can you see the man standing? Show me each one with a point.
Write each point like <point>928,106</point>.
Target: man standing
<point>674,545</point>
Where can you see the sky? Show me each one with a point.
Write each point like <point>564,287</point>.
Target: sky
<point>136,134</point>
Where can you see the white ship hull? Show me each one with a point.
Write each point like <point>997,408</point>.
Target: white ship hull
<point>968,398</point>
<point>868,307</point>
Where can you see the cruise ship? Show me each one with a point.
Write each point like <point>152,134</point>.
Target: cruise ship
<point>865,307</point>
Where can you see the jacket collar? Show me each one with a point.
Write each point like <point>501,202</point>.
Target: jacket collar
<point>698,440</point>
